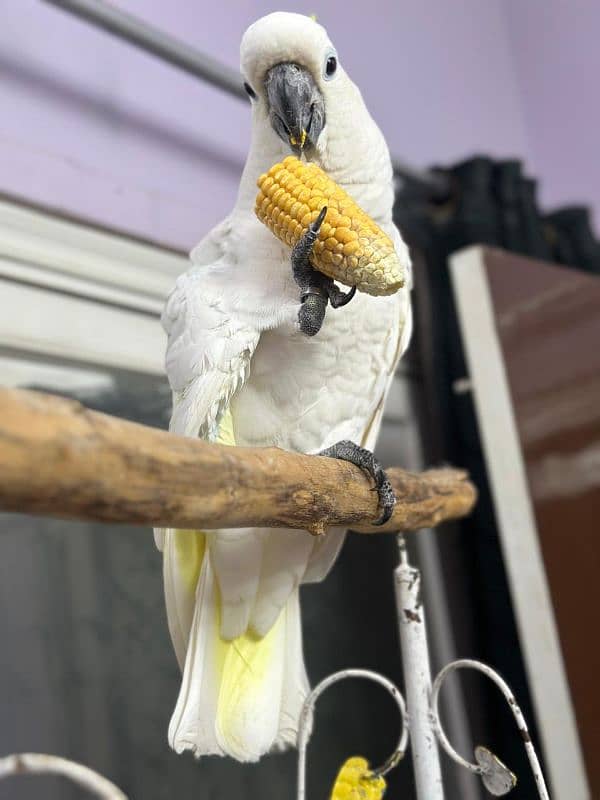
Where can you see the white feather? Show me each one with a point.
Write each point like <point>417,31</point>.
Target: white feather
<point>236,559</point>
<point>286,554</point>
<point>192,725</point>
<point>208,352</point>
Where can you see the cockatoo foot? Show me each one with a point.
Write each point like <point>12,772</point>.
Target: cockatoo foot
<point>315,288</point>
<point>348,451</point>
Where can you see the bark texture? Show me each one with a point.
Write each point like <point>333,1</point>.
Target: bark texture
<point>59,459</point>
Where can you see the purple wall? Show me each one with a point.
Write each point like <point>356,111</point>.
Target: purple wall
<point>557,55</point>
<point>97,129</point>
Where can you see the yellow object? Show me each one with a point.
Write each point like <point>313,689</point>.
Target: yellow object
<point>190,546</point>
<point>302,141</point>
<point>355,782</point>
<point>248,668</point>
<point>350,248</point>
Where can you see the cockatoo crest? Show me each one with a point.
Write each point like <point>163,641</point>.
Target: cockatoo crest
<point>284,37</point>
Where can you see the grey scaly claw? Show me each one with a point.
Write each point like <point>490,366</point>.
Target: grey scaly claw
<point>363,458</point>
<point>337,298</point>
<point>313,294</point>
<point>316,289</point>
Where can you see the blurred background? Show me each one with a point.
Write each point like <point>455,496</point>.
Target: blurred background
<point>112,165</point>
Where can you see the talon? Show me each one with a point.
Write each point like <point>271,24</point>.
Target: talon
<point>386,514</point>
<point>348,451</point>
<point>387,498</point>
<point>316,225</point>
<point>337,298</point>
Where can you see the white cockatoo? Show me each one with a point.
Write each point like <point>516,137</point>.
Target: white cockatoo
<point>244,371</point>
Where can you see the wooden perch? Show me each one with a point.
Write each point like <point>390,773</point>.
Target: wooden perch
<point>59,459</point>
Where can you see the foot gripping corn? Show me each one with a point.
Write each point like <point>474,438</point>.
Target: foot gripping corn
<point>351,247</point>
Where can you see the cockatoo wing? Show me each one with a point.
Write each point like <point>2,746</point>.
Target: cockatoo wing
<point>208,357</point>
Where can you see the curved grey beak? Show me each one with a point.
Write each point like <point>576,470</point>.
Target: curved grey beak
<point>296,106</point>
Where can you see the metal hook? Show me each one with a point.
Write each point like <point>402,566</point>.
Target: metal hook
<point>496,777</point>
<point>307,715</point>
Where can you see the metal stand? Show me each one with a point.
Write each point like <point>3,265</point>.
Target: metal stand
<point>417,678</point>
<point>420,715</point>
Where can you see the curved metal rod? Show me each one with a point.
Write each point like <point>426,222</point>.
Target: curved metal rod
<point>306,722</point>
<point>140,34</point>
<point>29,763</point>
<point>496,777</point>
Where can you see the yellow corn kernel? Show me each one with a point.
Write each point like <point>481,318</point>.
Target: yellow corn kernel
<point>351,247</point>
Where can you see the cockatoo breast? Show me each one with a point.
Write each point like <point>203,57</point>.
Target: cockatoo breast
<point>305,394</point>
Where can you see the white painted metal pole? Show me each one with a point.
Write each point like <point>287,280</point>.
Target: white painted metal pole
<point>417,679</point>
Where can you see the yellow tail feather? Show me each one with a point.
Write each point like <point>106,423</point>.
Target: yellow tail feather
<point>244,663</point>
<point>190,546</point>
<point>249,670</point>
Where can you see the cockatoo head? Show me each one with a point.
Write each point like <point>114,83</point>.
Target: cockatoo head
<point>293,77</point>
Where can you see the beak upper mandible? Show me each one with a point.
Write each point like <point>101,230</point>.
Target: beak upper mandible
<point>296,107</point>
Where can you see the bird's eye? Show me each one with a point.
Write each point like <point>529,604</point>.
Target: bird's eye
<point>250,91</point>
<point>330,66</point>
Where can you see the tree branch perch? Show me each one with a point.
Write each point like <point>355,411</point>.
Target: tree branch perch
<point>59,459</point>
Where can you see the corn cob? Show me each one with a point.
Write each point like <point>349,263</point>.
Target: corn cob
<point>355,782</point>
<point>350,247</point>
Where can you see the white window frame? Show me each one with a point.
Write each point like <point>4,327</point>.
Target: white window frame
<point>72,294</point>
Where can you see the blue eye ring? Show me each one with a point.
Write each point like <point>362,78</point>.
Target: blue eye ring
<point>330,65</point>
